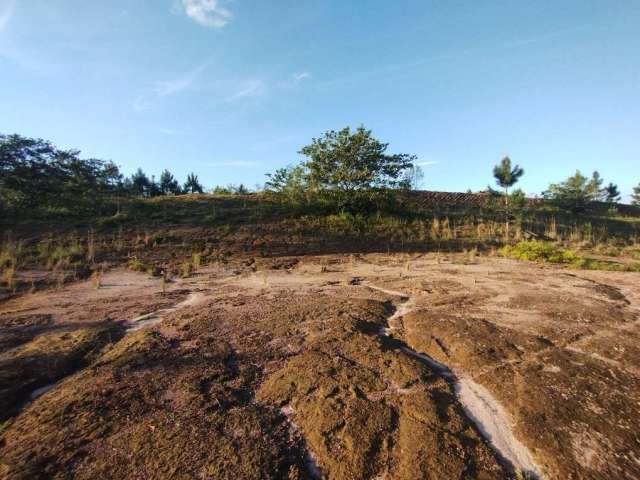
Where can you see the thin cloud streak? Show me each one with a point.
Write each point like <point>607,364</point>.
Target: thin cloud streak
<point>167,88</point>
<point>523,42</point>
<point>407,66</point>
<point>294,80</point>
<point>177,85</point>
<point>253,88</point>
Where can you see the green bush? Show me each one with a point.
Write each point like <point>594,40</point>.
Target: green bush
<point>540,252</point>
<point>552,253</point>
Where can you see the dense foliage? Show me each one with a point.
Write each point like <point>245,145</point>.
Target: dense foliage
<point>577,192</point>
<point>347,171</point>
<point>36,176</point>
<point>353,161</point>
<point>34,173</point>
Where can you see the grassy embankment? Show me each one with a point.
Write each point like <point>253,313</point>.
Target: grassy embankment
<point>182,233</point>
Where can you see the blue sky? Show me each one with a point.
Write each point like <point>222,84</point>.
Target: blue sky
<point>232,89</point>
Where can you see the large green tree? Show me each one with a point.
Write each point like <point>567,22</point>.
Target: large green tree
<point>36,174</point>
<point>352,171</point>
<point>351,161</point>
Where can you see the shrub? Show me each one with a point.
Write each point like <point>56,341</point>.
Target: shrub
<point>540,252</point>
<point>136,265</point>
<point>552,253</point>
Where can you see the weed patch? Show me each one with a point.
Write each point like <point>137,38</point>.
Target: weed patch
<point>539,252</point>
<point>548,252</point>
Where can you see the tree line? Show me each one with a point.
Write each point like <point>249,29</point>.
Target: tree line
<point>34,174</point>
<point>574,194</point>
<point>351,166</point>
<point>343,170</point>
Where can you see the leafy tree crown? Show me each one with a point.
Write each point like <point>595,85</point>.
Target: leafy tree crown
<point>351,161</point>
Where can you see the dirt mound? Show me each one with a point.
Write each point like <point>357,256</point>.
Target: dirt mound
<point>47,358</point>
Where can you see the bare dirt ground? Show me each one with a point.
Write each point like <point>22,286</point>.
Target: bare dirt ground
<point>341,367</point>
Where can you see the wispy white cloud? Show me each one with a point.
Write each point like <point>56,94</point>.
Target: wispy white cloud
<point>179,84</point>
<point>298,77</point>
<point>294,79</point>
<point>426,163</point>
<point>6,13</point>
<point>165,88</point>
<point>251,88</point>
<point>208,13</point>
<point>220,91</point>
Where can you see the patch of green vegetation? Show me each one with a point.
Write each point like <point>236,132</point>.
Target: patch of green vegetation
<point>136,265</point>
<point>114,220</point>
<point>539,252</point>
<point>522,475</point>
<point>549,252</point>
<point>591,264</point>
<point>3,425</point>
<point>66,256</point>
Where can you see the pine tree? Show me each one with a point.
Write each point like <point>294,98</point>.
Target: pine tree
<point>192,185</point>
<point>506,176</point>
<point>635,196</point>
<point>168,184</point>
<point>140,183</point>
<point>154,188</point>
<point>611,193</point>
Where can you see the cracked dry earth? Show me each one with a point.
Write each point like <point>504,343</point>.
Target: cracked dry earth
<point>337,367</point>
